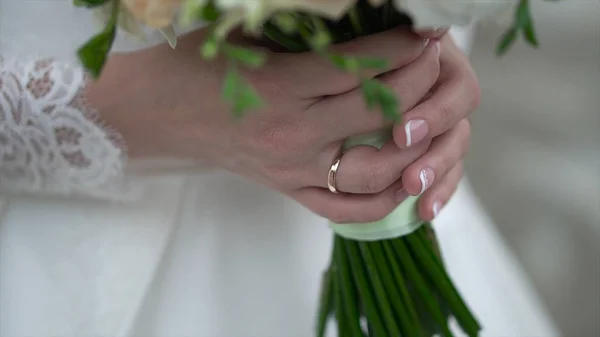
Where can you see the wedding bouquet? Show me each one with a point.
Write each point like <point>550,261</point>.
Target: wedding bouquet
<point>385,278</point>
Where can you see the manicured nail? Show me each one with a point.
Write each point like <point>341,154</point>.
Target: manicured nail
<point>401,195</point>
<point>438,48</point>
<point>426,176</point>
<point>415,130</point>
<point>424,44</point>
<point>437,207</point>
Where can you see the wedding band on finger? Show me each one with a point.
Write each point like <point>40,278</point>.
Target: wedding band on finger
<point>331,177</point>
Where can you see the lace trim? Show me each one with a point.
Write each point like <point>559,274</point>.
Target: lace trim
<point>51,141</point>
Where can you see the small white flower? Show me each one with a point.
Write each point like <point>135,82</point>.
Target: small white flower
<point>254,12</point>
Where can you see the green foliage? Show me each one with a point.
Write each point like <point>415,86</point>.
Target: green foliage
<point>378,95</point>
<point>90,3</point>
<point>236,90</point>
<point>209,13</point>
<point>523,23</point>
<point>239,93</point>
<point>94,53</point>
<point>245,56</point>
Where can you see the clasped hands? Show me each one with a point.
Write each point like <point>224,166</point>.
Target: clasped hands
<point>167,102</point>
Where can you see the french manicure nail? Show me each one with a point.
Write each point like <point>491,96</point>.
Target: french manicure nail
<point>424,44</point>
<point>437,207</point>
<point>415,130</point>
<point>426,176</point>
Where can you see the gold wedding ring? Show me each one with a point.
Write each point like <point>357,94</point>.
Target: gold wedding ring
<point>331,177</point>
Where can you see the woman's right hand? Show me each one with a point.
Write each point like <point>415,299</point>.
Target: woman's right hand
<point>168,103</point>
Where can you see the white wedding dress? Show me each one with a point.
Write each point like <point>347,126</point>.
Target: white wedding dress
<point>171,252</point>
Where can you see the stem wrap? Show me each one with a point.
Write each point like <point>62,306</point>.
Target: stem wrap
<point>402,221</point>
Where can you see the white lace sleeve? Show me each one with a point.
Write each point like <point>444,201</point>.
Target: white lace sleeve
<point>51,142</point>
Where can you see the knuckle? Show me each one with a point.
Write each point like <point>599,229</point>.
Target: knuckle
<point>281,138</point>
<point>445,111</point>
<point>374,179</point>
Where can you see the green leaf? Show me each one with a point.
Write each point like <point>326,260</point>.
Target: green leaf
<point>286,22</point>
<point>209,13</point>
<point>94,53</point>
<point>247,100</point>
<point>507,40</point>
<point>210,48</point>
<point>240,94</point>
<point>230,84</point>
<point>530,35</point>
<point>372,63</point>
<point>369,91</point>
<point>376,94</point>
<point>389,103</point>
<point>338,61</point>
<point>345,63</point>
<point>248,57</point>
<point>525,23</point>
<point>320,40</point>
<point>89,3</point>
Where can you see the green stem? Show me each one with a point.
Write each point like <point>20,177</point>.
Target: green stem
<point>392,262</point>
<point>326,302</point>
<point>364,289</point>
<point>444,285</point>
<point>376,282</point>
<point>396,300</point>
<point>419,283</point>
<point>348,291</point>
<point>342,325</point>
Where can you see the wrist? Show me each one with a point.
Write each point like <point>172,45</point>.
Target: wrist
<point>121,97</point>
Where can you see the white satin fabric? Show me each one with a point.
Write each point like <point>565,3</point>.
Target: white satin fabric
<point>202,254</point>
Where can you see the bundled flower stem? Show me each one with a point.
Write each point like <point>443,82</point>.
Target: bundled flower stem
<point>399,286</point>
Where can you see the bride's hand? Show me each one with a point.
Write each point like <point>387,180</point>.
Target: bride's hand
<point>167,103</point>
<point>446,125</point>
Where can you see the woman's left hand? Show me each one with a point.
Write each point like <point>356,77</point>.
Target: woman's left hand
<point>443,118</point>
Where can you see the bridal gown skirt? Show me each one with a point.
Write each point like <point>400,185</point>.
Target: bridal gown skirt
<point>213,255</point>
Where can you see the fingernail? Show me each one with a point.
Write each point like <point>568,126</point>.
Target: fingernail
<point>424,44</point>
<point>437,207</point>
<point>401,195</point>
<point>438,48</point>
<point>426,176</point>
<point>415,130</point>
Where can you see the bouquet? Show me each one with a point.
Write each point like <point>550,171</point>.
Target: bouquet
<point>385,278</point>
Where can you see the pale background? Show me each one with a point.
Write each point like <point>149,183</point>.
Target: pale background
<point>535,156</point>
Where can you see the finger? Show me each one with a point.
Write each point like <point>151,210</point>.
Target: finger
<point>367,170</point>
<point>444,153</point>
<point>398,47</point>
<point>434,33</point>
<point>351,208</point>
<point>433,201</point>
<point>454,98</point>
<point>347,114</point>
